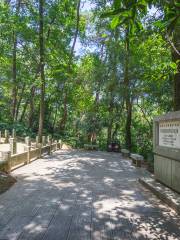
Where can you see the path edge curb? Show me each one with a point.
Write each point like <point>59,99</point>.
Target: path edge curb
<point>162,196</point>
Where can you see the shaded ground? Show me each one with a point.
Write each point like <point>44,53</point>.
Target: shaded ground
<point>6,181</point>
<point>83,196</point>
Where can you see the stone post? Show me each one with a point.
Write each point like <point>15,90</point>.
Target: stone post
<point>52,143</point>
<point>28,141</point>
<point>13,146</point>
<point>56,145</point>
<point>43,140</point>
<point>0,136</point>
<point>28,154</point>
<point>6,157</point>
<point>49,149</point>
<point>37,141</point>
<point>6,136</point>
<point>40,146</point>
<point>13,133</point>
<point>60,143</point>
<point>49,144</point>
<point>28,148</point>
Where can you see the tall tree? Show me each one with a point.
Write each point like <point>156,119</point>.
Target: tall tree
<point>14,62</point>
<point>126,16</point>
<point>65,113</point>
<point>176,60</point>
<point>169,22</point>
<point>42,75</point>
<point>127,89</point>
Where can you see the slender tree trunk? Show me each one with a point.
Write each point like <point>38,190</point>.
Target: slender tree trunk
<point>76,32</point>
<point>54,121</point>
<point>128,125</point>
<point>24,110</point>
<point>146,119</point>
<point>176,59</point>
<point>19,102</point>
<point>31,107</point>
<point>42,76</point>
<point>14,67</point>
<point>14,72</point>
<point>64,118</point>
<point>127,95</point>
<point>114,134</point>
<point>109,132</point>
<point>65,113</point>
<point>110,125</point>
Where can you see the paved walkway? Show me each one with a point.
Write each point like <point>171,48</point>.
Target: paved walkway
<point>83,196</point>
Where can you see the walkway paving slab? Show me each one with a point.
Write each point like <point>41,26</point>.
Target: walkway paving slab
<point>79,195</point>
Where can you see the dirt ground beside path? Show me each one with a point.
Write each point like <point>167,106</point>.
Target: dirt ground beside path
<point>6,181</point>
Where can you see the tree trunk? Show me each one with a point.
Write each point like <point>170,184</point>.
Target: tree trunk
<point>109,132</point>
<point>127,94</point>
<point>65,114</point>
<point>128,125</point>
<point>110,125</point>
<point>54,121</point>
<point>14,67</point>
<point>176,59</point>
<point>14,72</point>
<point>42,76</point>
<point>24,110</point>
<point>31,105</point>
<point>115,132</point>
<point>19,102</point>
<point>64,118</point>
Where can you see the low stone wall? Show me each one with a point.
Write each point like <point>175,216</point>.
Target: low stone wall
<point>9,162</point>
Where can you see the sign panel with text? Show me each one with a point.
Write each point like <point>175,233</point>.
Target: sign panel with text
<point>169,134</point>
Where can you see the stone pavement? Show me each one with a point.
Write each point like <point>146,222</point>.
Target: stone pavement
<point>76,195</point>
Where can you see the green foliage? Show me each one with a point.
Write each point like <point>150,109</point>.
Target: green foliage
<point>21,129</point>
<point>86,95</point>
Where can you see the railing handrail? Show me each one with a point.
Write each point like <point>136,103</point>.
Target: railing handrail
<point>28,155</point>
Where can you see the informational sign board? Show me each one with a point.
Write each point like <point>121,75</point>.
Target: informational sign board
<point>169,134</point>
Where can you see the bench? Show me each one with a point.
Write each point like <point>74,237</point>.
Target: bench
<point>91,146</point>
<point>137,159</point>
<point>125,152</point>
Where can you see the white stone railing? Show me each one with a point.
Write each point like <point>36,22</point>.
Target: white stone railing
<point>9,162</point>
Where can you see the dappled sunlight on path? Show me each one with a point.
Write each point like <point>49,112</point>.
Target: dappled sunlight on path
<point>83,195</point>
